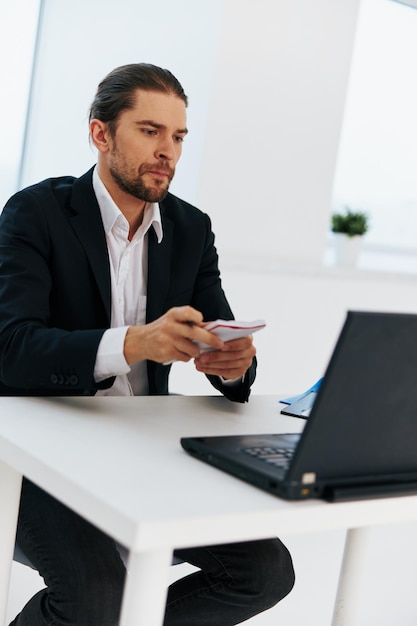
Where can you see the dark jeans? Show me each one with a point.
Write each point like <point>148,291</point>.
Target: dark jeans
<point>84,573</point>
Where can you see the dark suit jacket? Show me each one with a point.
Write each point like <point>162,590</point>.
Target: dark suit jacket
<point>55,291</point>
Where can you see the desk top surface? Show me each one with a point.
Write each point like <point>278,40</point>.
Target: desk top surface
<point>118,462</point>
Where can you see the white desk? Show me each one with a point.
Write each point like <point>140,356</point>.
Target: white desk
<point>118,462</point>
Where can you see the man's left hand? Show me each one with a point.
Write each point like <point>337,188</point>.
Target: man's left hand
<point>231,362</point>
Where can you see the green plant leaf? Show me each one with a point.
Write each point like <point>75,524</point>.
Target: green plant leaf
<point>351,223</point>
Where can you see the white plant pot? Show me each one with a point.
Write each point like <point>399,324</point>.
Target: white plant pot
<point>347,249</point>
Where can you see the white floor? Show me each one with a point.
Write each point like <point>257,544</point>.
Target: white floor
<point>304,313</point>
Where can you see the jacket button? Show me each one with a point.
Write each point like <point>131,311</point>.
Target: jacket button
<point>73,380</point>
<point>54,379</point>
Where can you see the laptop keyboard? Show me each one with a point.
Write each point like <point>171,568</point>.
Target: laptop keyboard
<point>280,457</point>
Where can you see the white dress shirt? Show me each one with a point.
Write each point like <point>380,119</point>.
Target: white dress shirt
<point>128,271</point>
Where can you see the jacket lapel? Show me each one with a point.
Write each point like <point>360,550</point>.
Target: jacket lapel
<point>88,226</point>
<point>159,269</point>
<point>86,221</point>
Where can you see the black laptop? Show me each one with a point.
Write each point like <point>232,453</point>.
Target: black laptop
<point>360,440</point>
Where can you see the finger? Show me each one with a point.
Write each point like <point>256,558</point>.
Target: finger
<point>219,362</point>
<point>196,333</point>
<point>229,372</point>
<point>242,344</point>
<point>187,314</point>
<point>224,356</point>
<point>208,338</point>
<point>182,350</point>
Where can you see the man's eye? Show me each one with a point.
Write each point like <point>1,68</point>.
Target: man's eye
<point>149,131</point>
<point>179,138</point>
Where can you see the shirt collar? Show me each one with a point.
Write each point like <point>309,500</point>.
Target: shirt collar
<point>110,212</point>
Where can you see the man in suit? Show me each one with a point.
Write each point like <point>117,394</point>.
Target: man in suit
<point>104,281</point>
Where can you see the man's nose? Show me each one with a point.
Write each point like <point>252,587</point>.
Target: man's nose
<point>166,149</point>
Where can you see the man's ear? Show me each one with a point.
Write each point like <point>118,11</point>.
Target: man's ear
<point>100,135</point>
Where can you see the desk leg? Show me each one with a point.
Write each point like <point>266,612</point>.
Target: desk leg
<point>350,576</point>
<point>10,485</point>
<point>146,586</point>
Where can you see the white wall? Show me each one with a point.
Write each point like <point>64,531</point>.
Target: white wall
<point>82,41</point>
<point>304,314</point>
<point>266,80</point>
<point>275,118</point>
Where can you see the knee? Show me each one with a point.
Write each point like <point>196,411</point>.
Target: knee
<point>281,571</point>
<point>106,595</point>
<point>272,573</point>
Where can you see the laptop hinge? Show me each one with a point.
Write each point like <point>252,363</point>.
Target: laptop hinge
<point>357,492</point>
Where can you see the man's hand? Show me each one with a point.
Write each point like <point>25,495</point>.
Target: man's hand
<point>231,361</point>
<point>169,338</point>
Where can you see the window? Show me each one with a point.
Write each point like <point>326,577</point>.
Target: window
<point>377,163</point>
<point>18,29</point>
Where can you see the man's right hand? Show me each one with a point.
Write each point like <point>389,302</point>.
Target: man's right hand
<point>169,338</point>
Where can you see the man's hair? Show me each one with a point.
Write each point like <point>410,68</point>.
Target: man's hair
<point>116,92</point>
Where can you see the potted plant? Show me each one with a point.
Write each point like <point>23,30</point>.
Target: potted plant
<point>351,223</point>
<point>348,229</point>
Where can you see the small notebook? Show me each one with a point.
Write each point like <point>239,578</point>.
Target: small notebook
<point>230,329</point>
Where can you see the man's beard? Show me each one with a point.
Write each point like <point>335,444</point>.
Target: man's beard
<point>136,187</point>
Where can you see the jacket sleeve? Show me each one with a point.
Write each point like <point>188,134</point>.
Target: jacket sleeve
<point>210,298</point>
<point>41,351</point>
<point>189,256</point>
<point>236,393</point>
